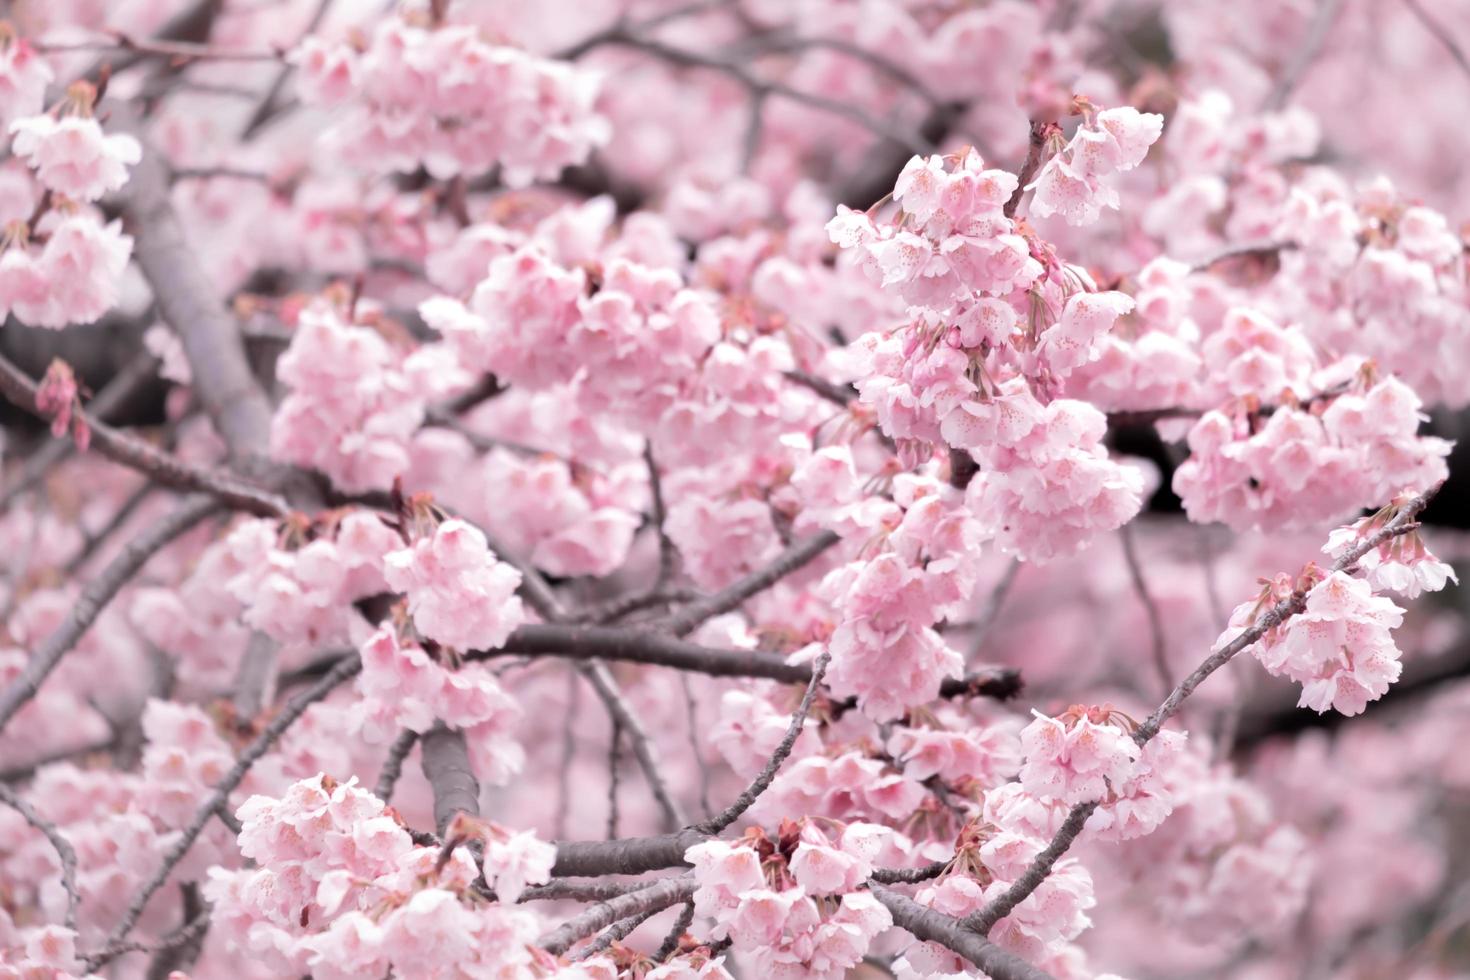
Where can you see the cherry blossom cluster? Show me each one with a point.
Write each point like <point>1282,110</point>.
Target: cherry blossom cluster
<point>767,896</point>
<point>545,427</point>
<point>356,401</point>
<point>884,648</point>
<point>440,97</point>
<point>342,890</point>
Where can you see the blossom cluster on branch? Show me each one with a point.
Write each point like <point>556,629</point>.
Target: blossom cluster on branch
<point>657,491</point>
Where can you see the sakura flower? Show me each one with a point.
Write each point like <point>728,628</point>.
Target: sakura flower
<point>458,593</point>
<point>1399,564</point>
<point>1077,756</point>
<point>72,156</point>
<point>515,860</point>
<point>24,76</point>
<point>1071,182</point>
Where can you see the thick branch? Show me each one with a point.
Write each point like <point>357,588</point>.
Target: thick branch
<point>936,927</point>
<point>578,642</point>
<point>232,396</point>
<point>446,763</point>
<point>625,856</point>
<point>660,895</point>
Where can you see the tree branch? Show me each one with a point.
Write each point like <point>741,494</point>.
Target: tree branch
<point>393,764</point>
<point>606,687</point>
<point>95,597</point>
<point>659,895</point>
<point>1041,865</point>
<point>767,775</point>
<point>951,933</point>
<point>1150,607</point>
<point>219,797</point>
<point>797,555</point>
<point>446,763</point>
<point>63,848</point>
<point>160,467</point>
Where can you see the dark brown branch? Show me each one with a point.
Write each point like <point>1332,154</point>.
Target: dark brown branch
<point>159,466</point>
<point>660,895</point>
<point>1150,607</point>
<point>95,597</point>
<point>909,876</point>
<point>951,933</point>
<point>1035,148</point>
<point>446,763</point>
<point>676,933</point>
<point>731,597</point>
<point>64,850</point>
<point>578,642</point>
<point>393,764</point>
<point>835,392</point>
<point>767,775</point>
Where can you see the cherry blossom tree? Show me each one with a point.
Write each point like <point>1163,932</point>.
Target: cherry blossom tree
<point>736,488</point>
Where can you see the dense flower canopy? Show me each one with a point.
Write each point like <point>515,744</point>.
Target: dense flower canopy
<point>656,490</point>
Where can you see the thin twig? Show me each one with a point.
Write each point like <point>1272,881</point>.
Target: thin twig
<point>1035,148</point>
<point>796,556</point>
<point>63,848</point>
<point>993,603</point>
<point>681,925</point>
<point>615,933</point>
<point>393,764</point>
<point>96,539</point>
<point>1041,865</point>
<point>95,597</point>
<point>757,87</point>
<point>191,930</point>
<point>118,391</point>
<point>1306,53</point>
<point>767,775</point>
<point>691,714</point>
<point>667,554</point>
<point>219,797</point>
<point>606,687</point>
<point>1441,34</point>
<point>160,467</point>
<point>1150,606</point>
<point>568,753</point>
<point>614,745</point>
